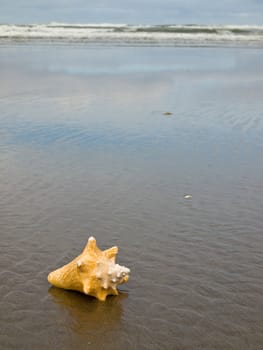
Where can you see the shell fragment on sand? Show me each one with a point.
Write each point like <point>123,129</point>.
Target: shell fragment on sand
<point>188,196</point>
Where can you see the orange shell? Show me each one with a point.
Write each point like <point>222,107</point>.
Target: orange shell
<point>93,272</point>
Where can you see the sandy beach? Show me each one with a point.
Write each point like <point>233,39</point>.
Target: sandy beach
<point>155,149</point>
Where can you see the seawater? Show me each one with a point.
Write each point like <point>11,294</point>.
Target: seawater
<point>86,148</point>
<point>124,34</point>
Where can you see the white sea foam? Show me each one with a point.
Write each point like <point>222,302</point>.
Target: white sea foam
<point>127,34</point>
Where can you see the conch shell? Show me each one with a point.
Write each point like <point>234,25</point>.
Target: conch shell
<point>93,272</point>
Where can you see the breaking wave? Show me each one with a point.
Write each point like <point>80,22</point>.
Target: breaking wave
<point>193,35</point>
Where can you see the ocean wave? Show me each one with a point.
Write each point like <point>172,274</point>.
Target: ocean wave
<point>200,35</point>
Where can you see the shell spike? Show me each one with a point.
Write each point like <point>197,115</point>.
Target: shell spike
<point>102,295</point>
<point>111,253</point>
<point>91,246</point>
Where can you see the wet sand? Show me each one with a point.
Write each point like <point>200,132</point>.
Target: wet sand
<point>86,149</point>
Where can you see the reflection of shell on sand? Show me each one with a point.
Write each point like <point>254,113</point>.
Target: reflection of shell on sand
<point>85,315</point>
<point>93,272</point>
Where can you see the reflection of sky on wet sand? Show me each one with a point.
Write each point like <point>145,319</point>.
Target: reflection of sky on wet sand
<point>93,90</point>
<point>214,96</point>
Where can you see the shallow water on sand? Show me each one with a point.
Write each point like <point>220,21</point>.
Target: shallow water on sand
<point>85,149</point>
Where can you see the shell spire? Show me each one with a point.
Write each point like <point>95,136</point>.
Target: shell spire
<point>93,272</point>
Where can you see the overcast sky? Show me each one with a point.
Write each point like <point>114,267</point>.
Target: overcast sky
<point>132,11</point>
